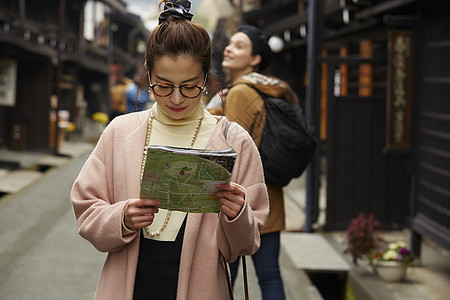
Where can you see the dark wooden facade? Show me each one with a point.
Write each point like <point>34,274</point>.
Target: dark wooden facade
<point>431,153</point>
<point>53,60</point>
<point>384,118</point>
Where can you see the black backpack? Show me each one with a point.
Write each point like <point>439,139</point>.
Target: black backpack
<point>287,142</point>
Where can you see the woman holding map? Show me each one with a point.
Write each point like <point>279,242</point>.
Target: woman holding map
<point>154,253</point>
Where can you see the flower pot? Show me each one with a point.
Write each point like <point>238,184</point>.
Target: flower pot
<point>391,270</point>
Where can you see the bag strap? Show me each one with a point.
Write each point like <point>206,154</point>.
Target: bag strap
<point>244,269</point>
<point>227,270</point>
<point>263,96</point>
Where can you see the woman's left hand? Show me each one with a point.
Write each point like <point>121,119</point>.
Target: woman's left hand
<point>232,198</point>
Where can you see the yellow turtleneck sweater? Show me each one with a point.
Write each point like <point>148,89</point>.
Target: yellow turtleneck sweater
<point>177,133</point>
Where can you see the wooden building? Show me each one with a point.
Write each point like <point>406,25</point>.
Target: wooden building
<point>384,112</point>
<point>54,57</point>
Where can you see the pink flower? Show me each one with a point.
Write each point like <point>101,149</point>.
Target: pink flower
<point>404,251</point>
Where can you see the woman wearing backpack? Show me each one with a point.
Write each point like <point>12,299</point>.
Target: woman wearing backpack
<point>246,55</point>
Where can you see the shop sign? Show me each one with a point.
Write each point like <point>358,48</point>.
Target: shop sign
<point>399,91</point>
<point>8,76</point>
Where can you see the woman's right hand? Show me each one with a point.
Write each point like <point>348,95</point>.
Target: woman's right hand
<point>140,213</point>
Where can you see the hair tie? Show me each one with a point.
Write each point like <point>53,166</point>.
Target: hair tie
<point>178,9</point>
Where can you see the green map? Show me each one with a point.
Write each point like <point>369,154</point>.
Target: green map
<point>185,179</point>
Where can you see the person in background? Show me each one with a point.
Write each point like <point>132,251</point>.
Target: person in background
<point>138,98</point>
<point>119,84</point>
<point>155,253</point>
<point>247,54</point>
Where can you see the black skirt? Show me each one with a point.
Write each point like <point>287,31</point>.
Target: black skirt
<point>158,267</point>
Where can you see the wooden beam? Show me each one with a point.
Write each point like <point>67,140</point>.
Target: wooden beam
<point>330,7</point>
<point>295,20</point>
<point>382,8</point>
<point>22,13</point>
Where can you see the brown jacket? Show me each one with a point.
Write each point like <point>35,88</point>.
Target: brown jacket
<point>111,175</point>
<point>244,106</point>
<point>118,95</point>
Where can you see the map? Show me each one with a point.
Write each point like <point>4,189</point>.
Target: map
<point>185,179</point>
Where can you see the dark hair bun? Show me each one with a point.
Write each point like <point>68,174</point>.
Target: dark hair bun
<point>178,9</point>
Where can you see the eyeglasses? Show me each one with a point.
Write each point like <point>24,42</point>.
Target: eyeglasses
<point>187,90</point>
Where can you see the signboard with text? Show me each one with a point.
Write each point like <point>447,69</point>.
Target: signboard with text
<point>8,76</point>
<point>399,91</point>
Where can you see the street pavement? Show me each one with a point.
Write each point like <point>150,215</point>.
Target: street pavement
<point>43,257</point>
<point>41,254</point>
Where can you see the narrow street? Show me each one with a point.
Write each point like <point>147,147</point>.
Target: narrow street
<point>43,257</point>
<point>41,254</point>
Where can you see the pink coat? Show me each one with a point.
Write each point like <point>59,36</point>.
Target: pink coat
<point>111,175</point>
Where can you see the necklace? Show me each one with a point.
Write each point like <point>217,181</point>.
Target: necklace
<point>147,143</point>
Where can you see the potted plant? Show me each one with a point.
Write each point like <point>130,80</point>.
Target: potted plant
<point>392,262</point>
<point>362,237</point>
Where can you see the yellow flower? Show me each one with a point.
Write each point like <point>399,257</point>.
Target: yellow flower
<point>71,127</point>
<point>100,117</point>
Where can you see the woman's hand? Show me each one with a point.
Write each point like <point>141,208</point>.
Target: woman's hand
<point>232,198</point>
<point>139,213</point>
